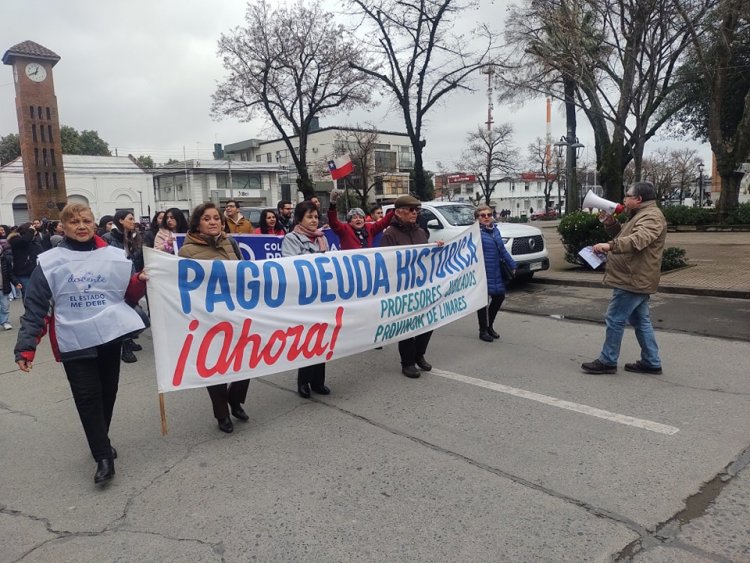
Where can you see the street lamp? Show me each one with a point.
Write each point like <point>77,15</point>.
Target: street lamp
<point>572,152</point>
<point>700,183</point>
<point>140,197</point>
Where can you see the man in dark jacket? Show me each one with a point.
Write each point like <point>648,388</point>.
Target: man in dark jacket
<point>405,230</point>
<point>26,248</point>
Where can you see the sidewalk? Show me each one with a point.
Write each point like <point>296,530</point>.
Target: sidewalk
<point>719,264</point>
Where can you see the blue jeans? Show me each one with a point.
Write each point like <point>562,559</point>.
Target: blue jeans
<point>4,307</point>
<point>627,306</point>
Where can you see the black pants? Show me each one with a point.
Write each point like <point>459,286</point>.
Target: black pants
<point>413,348</point>
<point>94,382</point>
<point>226,394</point>
<point>315,375</point>
<point>486,315</point>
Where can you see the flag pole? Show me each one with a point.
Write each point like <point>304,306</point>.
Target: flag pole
<point>163,414</point>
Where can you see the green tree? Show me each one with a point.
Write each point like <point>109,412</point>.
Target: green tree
<point>145,161</point>
<point>10,148</point>
<point>85,142</point>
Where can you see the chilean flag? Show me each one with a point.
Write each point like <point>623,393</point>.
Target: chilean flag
<point>340,167</point>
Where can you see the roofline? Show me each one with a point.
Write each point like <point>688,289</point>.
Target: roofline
<point>260,142</point>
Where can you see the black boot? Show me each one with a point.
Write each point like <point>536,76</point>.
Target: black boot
<point>492,333</point>
<point>134,346</point>
<point>485,336</point>
<point>127,353</point>
<point>304,390</point>
<point>105,470</point>
<point>225,425</point>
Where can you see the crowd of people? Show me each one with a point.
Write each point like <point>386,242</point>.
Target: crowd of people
<point>38,261</point>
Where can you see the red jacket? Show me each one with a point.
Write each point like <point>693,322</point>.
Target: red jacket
<point>347,236</point>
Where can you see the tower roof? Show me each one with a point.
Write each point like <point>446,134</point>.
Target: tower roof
<point>30,50</point>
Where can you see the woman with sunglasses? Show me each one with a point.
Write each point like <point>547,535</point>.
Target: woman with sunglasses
<point>494,252</point>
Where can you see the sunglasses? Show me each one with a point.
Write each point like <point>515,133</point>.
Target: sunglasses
<point>413,209</point>
<point>485,214</point>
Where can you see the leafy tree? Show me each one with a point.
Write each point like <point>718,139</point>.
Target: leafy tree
<point>418,60</point>
<point>171,161</point>
<point>489,155</point>
<point>713,101</point>
<point>145,161</point>
<point>541,163</point>
<point>10,148</point>
<point>290,66</point>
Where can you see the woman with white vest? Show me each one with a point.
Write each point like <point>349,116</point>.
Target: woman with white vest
<point>81,290</point>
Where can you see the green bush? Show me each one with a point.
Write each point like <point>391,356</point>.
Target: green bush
<point>522,219</point>
<point>579,230</point>
<point>673,258</point>
<point>741,215</point>
<point>683,215</point>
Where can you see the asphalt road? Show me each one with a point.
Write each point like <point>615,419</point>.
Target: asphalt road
<point>506,452</point>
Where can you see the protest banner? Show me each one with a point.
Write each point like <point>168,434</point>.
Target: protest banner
<point>221,321</point>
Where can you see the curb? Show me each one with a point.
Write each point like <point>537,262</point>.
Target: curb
<point>674,289</point>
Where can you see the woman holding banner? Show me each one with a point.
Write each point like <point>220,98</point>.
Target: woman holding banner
<point>206,240</point>
<point>307,238</point>
<point>88,285</point>
<point>494,252</point>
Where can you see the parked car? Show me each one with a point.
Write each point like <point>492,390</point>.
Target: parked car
<point>252,214</point>
<point>549,214</point>
<point>447,219</point>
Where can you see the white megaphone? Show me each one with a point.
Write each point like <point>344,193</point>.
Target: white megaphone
<point>593,201</point>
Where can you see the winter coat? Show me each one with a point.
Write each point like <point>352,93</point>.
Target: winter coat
<point>494,251</point>
<point>242,226</point>
<point>296,244</point>
<point>134,250</point>
<point>402,234</point>
<point>6,272</point>
<point>348,236</point>
<point>25,248</point>
<point>634,259</point>
<point>39,317</point>
<point>200,247</point>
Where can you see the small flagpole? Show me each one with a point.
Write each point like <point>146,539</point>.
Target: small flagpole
<point>163,414</point>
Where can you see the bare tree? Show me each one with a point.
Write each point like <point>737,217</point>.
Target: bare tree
<point>289,66</point>
<point>489,154</point>
<point>659,169</point>
<point>359,143</point>
<point>618,59</point>
<point>540,162</point>
<point>420,60</point>
<point>685,163</point>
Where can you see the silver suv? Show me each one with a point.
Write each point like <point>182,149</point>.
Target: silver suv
<point>447,219</point>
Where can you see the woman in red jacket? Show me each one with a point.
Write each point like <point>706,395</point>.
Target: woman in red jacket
<point>355,233</point>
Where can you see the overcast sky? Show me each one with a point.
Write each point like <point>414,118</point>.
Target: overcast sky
<point>141,73</point>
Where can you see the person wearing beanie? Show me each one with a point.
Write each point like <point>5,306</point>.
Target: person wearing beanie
<point>405,230</point>
<point>355,233</point>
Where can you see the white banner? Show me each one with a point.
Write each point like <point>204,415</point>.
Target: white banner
<point>221,321</point>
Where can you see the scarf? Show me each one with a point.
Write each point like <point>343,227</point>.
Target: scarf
<point>317,235</point>
<point>362,236</point>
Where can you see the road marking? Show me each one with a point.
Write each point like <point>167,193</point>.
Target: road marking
<point>560,403</point>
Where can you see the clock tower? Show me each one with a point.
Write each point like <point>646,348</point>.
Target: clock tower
<point>38,128</point>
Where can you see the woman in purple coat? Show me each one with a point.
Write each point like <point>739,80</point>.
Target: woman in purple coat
<point>494,252</point>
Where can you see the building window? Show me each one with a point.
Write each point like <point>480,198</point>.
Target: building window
<point>49,114</point>
<point>36,157</point>
<point>33,133</point>
<point>39,181</point>
<point>46,180</point>
<point>52,156</point>
<point>31,111</point>
<point>268,157</point>
<point>44,156</point>
<point>257,158</point>
<point>526,187</point>
<point>41,131</point>
<point>39,112</point>
<point>49,133</point>
<point>54,180</point>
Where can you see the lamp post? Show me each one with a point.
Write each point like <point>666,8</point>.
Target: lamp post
<point>572,151</point>
<point>140,198</point>
<point>700,184</point>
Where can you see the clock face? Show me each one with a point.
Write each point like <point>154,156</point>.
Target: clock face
<point>35,72</point>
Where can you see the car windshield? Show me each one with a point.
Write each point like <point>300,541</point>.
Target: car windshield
<point>458,215</point>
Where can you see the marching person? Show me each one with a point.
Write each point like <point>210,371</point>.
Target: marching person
<point>234,221</point>
<point>285,210</point>
<point>355,233</point>
<point>174,222</point>
<point>206,240</point>
<point>405,230</point>
<point>88,286</point>
<point>157,222</point>
<point>494,252</point>
<point>26,248</point>
<point>269,223</point>
<point>307,238</point>
<point>633,271</point>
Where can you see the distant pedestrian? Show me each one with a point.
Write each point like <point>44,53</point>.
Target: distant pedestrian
<point>633,269</point>
<point>86,339</point>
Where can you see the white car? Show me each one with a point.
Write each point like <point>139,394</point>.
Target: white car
<point>447,219</point>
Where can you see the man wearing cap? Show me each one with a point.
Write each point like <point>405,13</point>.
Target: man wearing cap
<point>355,233</point>
<point>405,230</point>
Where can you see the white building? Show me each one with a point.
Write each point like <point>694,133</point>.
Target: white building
<point>187,184</point>
<point>105,183</point>
<point>391,161</point>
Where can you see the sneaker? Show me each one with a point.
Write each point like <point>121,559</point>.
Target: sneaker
<point>7,326</point>
<point>598,367</point>
<point>640,367</point>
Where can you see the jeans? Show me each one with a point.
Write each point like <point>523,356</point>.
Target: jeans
<point>4,307</point>
<point>626,306</point>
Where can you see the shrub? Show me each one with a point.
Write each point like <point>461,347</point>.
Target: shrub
<point>673,258</point>
<point>683,215</point>
<point>522,219</point>
<point>741,215</point>
<point>579,230</point>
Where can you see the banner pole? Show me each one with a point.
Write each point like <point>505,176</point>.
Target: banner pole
<point>163,414</point>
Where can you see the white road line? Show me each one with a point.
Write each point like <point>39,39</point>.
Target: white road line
<point>560,403</point>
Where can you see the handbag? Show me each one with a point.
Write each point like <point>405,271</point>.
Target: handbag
<point>506,270</point>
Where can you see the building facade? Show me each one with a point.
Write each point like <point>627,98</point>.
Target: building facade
<point>105,183</point>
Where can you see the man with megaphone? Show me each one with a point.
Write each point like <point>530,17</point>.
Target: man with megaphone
<point>633,271</point>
